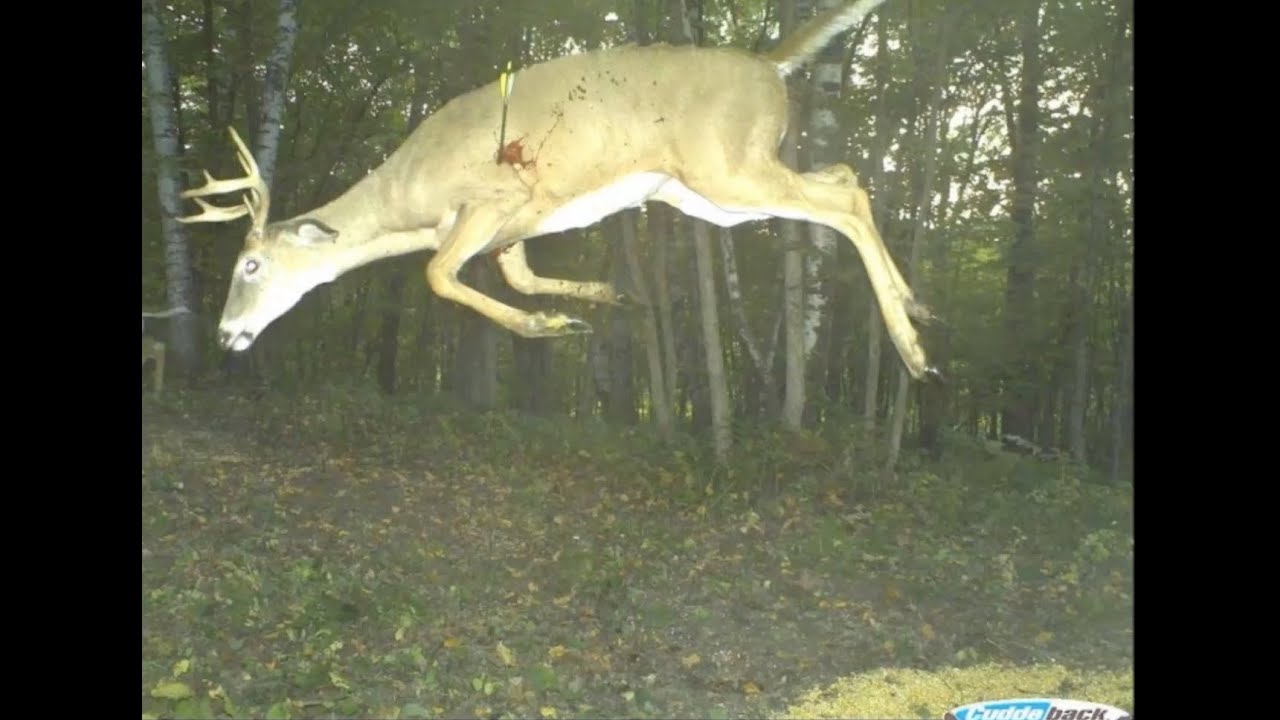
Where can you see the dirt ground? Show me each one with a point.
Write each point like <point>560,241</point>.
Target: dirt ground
<point>308,558</point>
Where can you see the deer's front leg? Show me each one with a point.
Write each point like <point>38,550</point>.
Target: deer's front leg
<point>514,263</point>
<point>472,231</point>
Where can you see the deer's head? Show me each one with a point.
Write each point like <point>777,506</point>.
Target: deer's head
<point>280,261</point>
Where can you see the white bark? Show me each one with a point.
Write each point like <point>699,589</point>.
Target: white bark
<point>164,131</point>
<point>793,277</point>
<point>733,290</point>
<point>827,81</point>
<point>273,90</point>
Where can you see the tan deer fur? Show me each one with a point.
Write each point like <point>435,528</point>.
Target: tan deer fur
<point>588,135</point>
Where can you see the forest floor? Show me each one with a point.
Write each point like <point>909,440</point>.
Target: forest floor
<point>346,557</point>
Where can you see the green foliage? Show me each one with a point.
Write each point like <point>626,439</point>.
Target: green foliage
<point>359,69</point>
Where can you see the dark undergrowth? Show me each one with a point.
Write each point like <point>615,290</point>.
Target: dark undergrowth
<point>343,554</point>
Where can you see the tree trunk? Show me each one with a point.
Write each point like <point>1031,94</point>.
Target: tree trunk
<point>711,342</point>
<point>652,346</point>
<point>244,72</point>
<point>1021,387</point>
<point>477,352</point>
<point>793,268</point>
<point>1122,406</point>
<point>879,148</point>
<point>760,360</point>
<point>661,231</point>
<point>533,384</point>
<point>164,131</point>
<point>595,377</point>
<point>622,407</point>
<point>923,205</point>
<point>389,336</point>
<point>1101,164</point>
<point>793,280</point>
<point>691,350</point>
<point>214,75</point>
<point>824,149</point>
<point>934,398</point>
<point>389,344</point>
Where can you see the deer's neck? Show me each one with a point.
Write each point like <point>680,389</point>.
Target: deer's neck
<point>368,228</point>
<point>356,214</point>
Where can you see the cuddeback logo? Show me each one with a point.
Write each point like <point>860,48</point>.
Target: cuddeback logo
<point>1037,709</point>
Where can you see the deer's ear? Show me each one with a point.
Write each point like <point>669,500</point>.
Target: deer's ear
<point>313,232</point>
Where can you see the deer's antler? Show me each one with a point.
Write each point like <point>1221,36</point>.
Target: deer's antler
<point>256,203</point>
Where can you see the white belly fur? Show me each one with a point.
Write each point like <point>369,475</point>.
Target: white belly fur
<point>632,191</point>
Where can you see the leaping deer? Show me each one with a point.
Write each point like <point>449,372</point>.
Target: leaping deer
<point>697,128</point>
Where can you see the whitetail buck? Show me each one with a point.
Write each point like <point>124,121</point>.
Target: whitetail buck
<point>592,134</point>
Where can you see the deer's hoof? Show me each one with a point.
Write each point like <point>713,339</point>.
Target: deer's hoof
<point>557,325</point>
<point>920,312</point>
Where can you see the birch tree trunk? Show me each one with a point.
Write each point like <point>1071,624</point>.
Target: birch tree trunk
<point>164,132</point>
<point>719,386</point>
<point>277,77</point>
<point>827,82</point>
<point>792,271</point>
<point>683,31</point>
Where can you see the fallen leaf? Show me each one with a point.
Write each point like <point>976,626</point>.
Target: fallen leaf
<point>926,631</point>
<point>750,688</point>
<point>504,653</point>
<point>451,642</point>
<point>690,660</point>
<point>557,651</point>
<point>337,681</point>
<point>171,691</point>
<point>547,712</point>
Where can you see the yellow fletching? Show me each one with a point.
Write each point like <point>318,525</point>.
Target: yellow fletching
<point>507,80</point>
